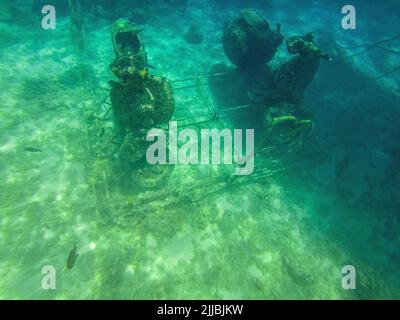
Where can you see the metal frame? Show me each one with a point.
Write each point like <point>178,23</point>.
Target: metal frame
<point>199,83</point>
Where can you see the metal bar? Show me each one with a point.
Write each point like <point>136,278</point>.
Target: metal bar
<point>199,77</point>
<point>190,87</point>
<point>244,106</point>
<point>206,98</point>
<point>215,115</point>
<point>107,113</point>
<point>100,105</point>
<point>197,122</point>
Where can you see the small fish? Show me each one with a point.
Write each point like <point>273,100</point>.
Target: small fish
<point>57,107</point>
<point>33,149</point>
<point>72,257</point>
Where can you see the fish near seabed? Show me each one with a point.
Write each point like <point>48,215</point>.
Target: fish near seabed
<point>73,254</point>
<point>33,149</point>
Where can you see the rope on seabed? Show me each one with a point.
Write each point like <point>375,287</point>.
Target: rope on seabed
<point>375,45</point>
<point>370,45</point>
<point>386,74</point>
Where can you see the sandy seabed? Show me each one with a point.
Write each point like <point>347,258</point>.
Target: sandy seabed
<point>286,237</point>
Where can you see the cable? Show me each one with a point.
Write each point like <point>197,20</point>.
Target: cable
<point>376,45</point>
<point>370,44</point>
<point>385,74</point>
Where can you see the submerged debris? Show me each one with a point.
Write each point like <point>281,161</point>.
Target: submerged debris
<point>249,40</point>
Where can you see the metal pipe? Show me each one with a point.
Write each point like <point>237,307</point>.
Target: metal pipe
<point>199,77</point>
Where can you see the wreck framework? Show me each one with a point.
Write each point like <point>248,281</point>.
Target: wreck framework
<point>168,195</point>
<point>107,179</point>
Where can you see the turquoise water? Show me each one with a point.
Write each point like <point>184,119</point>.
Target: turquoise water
<point>284,232</point>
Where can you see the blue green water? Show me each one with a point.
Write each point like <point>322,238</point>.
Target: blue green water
<point>283,233</point>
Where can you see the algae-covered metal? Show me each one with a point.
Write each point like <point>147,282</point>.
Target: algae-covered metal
<point>249,39</point>
<point>126,42</point>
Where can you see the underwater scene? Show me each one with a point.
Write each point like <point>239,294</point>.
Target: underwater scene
<point>199,149</point>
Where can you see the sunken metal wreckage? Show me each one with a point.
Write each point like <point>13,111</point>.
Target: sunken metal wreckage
<point>139,101</point>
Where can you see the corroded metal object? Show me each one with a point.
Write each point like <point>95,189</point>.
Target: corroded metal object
<point>126,40</point>
<point>139,102</point>
<point>142,103</point>
<point>250,41</point>
<point>295,75</point>
<point>304,45</point>
<point>286,126</point>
